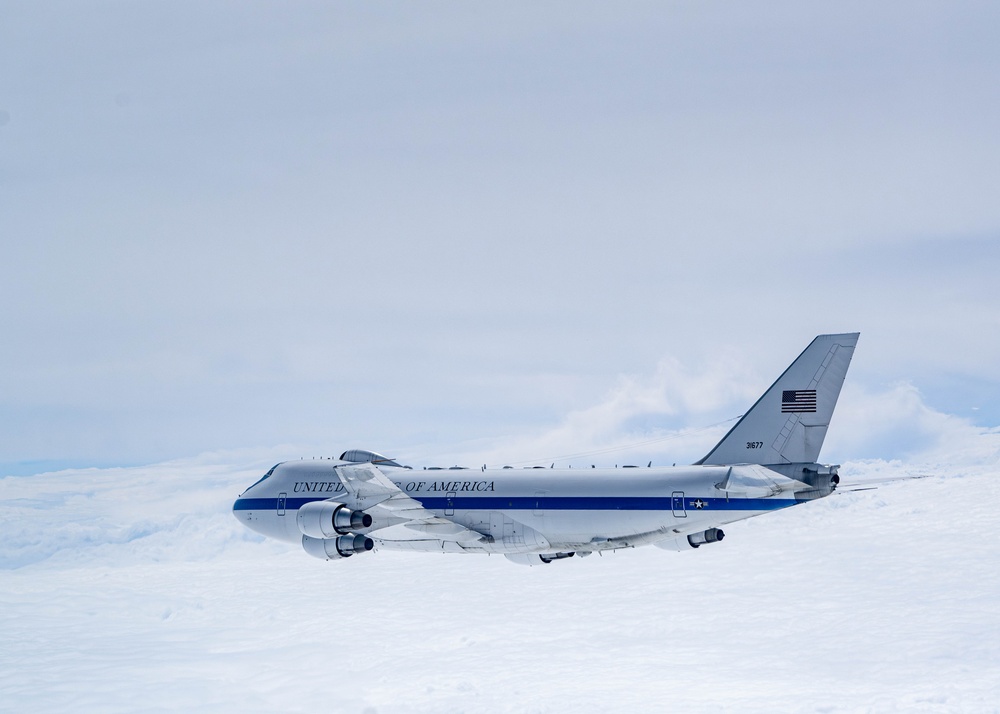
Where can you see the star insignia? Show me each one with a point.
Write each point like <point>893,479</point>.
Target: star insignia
<point>699,504</point>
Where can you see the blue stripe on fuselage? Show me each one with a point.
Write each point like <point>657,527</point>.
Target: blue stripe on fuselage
<point>553,503</point>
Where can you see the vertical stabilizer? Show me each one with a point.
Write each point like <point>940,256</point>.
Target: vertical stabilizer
<point>788,424</point>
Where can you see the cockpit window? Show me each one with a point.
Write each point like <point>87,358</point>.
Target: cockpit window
<point>265,476</point>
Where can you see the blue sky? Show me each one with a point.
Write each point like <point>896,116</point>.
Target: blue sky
<point>437,229</point>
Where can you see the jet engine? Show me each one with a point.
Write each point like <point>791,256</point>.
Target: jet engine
<point>712,535</point>
<point>336,548</point>
<point>328,519</point>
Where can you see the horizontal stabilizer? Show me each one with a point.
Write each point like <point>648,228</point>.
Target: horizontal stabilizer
<point>753,481</point>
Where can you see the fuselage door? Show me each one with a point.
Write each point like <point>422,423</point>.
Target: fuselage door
<point>538,504</point>
<point>449,504</point>
<point>282,497</point>
<point>677,504</point>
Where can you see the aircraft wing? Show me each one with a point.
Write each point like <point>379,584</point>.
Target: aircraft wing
<point>371,489</point>
<point>398,518</point>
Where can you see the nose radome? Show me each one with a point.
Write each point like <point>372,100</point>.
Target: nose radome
<point>241,511</point>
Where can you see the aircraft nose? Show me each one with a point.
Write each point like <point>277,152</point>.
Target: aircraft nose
<point>240,508</point>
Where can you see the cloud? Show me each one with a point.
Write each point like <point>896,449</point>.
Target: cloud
<point>136,589</point>
<point>896,423</point>
<point>661,410</point>
<point>676,413</point>
<point>176,510</point>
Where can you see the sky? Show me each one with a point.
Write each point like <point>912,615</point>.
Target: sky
<point>443,231</point>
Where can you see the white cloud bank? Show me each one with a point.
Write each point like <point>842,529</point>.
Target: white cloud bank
<point>134,589</point>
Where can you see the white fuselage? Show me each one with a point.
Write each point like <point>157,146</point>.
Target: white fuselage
<point>525,510</point>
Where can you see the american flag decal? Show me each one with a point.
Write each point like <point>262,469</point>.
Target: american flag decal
<point>798,400</point>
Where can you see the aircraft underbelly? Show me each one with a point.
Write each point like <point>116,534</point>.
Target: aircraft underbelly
<point>525,532</point>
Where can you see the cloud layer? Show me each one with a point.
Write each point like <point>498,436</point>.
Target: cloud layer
<point>135,589</point>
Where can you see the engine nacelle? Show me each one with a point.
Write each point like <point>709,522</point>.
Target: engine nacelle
<point>336,548</point>
<point>712,535</point>
<point>328,519</point>
<point>824,478</point>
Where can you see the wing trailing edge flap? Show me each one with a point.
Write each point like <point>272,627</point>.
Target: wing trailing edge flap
<point>427,545</point>
<point>445,531</point>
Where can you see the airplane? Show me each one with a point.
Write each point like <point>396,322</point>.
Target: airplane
<point>363,501</point>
